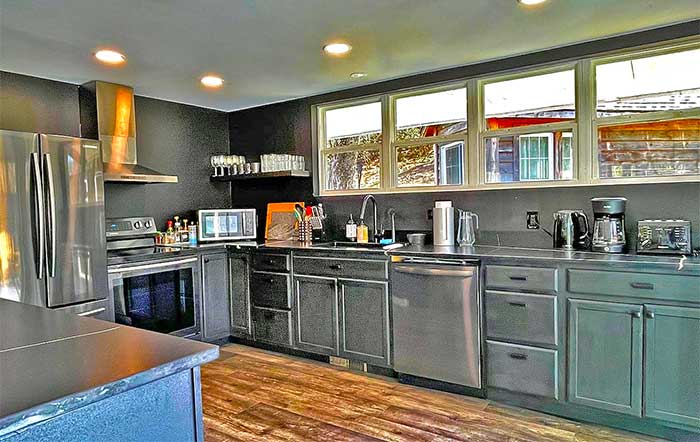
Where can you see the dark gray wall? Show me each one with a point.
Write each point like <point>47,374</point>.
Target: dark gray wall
<point>286,128</point>
<point>172,138</point>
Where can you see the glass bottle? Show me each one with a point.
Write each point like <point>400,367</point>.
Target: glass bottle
<point>351,229</point>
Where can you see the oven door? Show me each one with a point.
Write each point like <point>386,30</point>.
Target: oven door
<point>161,296</point>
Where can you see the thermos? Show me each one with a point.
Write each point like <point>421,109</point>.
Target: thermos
<point>443,223</point>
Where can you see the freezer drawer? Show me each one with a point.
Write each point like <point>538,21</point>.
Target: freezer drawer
<point>522,369</point>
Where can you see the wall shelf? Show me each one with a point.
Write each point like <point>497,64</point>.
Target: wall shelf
<point>263,175</point>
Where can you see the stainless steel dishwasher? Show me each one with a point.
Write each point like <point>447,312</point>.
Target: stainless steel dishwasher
<point>435,311</point>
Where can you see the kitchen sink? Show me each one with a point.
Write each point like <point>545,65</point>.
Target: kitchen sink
<point>357,245</point>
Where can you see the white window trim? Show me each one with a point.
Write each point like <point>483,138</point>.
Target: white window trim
<point>584,128</point>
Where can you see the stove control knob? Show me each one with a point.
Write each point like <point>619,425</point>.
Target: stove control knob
<point>137,225</point>
<point>148,224</point>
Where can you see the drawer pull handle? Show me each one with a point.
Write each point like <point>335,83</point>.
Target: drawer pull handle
<point>650,315</point>
<point>518,356</point>
<point>206,260</point>
<point>271,261</point>
<point>271,281</point>
<point>636,314</point>
<point>642,285</point>
<point>518,304</point>
<point>335,267</point>
<point>518,278</point>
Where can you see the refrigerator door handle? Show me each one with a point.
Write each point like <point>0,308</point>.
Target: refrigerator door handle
<point>39,211</point>
<point>51,214</point>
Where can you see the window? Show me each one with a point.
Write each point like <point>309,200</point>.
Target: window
<point>429,138</point>
<point>624,117</point>
<point>531,157</point>
<point>647,117</point>
<point>527,101</point>
<point>649,84</point>
<point>514,110</point>
<point>351,146</point>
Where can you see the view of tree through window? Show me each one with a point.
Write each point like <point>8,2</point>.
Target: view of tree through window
<point>353,135</point>
<point>429,115</point>
<point>430,164</point>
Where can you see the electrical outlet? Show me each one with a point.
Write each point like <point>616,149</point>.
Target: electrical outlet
<point>533,220</point>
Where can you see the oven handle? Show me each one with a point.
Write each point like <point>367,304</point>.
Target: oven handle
<point>157,265</point>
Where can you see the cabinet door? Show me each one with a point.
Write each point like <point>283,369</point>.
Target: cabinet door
<point>672,364</point>
<point>239,270</point>
<point>316,314</point>
<point>364,321</point>
<point>605,356</point>
<point>216,323</point>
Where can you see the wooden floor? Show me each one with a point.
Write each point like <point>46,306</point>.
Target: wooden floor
<point>253,395</point>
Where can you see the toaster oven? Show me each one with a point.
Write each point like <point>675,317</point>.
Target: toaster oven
<point>664,236</point>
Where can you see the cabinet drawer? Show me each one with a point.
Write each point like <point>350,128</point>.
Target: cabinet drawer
<point>270,290</point>
<point>638,285</point>
<point>521,317</point>
<point>522,369</point>
<point>341,268</point>
<point>271,262</point>
<point>272,326</point>
<point>532,279</point>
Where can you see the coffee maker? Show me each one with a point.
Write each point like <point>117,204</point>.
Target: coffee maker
<point>609,225</point>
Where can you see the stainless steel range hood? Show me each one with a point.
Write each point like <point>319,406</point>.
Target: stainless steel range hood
<point>107,113</point>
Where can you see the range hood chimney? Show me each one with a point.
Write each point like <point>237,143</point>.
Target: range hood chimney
<point>107,113</point>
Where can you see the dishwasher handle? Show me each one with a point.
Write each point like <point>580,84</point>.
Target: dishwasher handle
<point>433,271</point>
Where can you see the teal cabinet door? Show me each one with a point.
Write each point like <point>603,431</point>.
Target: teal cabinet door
<point>605,356</point>
<point>316,314</point>
<point>672,364</point>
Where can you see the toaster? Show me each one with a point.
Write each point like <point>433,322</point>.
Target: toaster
<point>664,236</point>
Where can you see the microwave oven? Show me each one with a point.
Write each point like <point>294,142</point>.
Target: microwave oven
<point>227,224</point>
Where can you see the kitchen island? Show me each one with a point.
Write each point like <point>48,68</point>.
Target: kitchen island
<point>63,377</point>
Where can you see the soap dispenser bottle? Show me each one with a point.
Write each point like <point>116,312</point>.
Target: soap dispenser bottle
<point>351,229</point>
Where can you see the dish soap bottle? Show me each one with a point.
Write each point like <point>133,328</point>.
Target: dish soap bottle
<point>362,232</point>
<point>351,229</point>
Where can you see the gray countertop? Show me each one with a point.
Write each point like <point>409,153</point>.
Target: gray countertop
<point>53,362</point>
<point>481,252</point>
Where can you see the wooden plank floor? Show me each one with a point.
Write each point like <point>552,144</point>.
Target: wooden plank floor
<point>254,395</point>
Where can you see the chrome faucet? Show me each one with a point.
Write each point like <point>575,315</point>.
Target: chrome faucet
<point>375,237</point>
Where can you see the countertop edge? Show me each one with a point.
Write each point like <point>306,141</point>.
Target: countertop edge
<point>55,408</point>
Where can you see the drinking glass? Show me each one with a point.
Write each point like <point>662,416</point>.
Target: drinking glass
<point>212,161</point>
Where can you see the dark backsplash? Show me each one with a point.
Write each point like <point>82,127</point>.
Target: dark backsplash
<point>502,213</point>
<point>172,138</point>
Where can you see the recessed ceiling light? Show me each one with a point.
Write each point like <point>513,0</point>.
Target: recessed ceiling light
<point>337,48</point>
<point>531,2</point>
<point>110,57</point>
<point>358,75</point>
<point>212,81</point>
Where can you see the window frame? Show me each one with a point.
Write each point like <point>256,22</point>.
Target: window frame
<point>643,117</point>
<point>322,151</point>
<point>414,142</point>
<point>563,126</point>
<point>584,128</point>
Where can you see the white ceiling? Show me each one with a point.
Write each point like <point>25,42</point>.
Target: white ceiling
<point>269,50</point>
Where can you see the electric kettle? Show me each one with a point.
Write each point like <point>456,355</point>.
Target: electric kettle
<point>467,227</point>
<point>571,230</point>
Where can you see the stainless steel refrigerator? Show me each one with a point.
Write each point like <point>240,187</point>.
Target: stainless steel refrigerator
<point>52,238</point>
